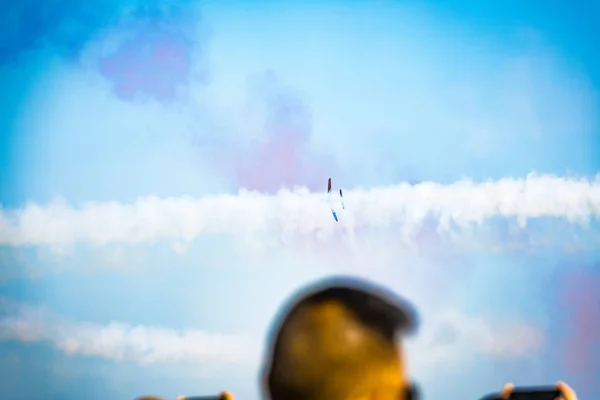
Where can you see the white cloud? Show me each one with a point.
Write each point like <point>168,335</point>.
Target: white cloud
<point>297,213</point>
<point>452,339</point>
<point>122,342</point>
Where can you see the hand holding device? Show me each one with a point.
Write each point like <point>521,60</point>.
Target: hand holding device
<point>561,391</point>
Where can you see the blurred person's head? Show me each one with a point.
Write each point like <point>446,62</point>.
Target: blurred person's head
<point>337,340</point>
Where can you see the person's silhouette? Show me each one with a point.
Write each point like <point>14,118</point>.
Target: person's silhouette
<point>337,340</point>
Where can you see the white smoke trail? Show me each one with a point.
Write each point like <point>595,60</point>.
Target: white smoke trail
<point>450,334</point>
<point>121,342</point>
<point>456,206</point>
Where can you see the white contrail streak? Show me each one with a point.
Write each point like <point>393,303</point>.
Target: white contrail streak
<point>451,337</point>
<point>299,212</point>
<point>121,342</point>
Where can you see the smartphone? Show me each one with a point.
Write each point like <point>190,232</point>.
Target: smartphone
<point>530,393</point>
<point>217,397</point>
<point>202,398</point>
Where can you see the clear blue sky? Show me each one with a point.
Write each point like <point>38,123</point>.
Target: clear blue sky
<point>115,100</point>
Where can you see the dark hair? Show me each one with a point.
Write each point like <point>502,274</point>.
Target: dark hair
<point>377,308</point>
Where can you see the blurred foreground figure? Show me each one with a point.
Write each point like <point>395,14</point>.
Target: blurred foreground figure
<point>338,341</point>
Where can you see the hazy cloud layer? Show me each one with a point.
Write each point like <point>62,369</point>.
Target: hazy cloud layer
<point>448,209</point>
<point>119,341</point>
<point>448,334</point>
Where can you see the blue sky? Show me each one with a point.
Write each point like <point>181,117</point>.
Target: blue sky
<point>131,262</point>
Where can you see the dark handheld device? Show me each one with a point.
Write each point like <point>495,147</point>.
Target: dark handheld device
<point>203,398</point>
<point>222,396</point>
<point>529,393</point>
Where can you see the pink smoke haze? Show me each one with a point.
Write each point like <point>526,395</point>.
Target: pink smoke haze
<point>582,302</point>
<point>151,64</point>
<point>267,166</point>
<point>270,166</point>
<point>283,156</point>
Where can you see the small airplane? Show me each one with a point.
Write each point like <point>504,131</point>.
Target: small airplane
<point>329,198</point>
